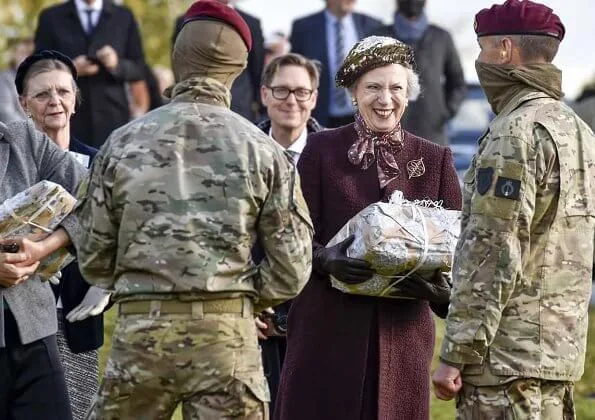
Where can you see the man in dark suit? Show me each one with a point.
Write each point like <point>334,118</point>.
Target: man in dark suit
<point>439,67</point>
<point>327,36</point>
<point>245,91</point>
<point>104,42</point>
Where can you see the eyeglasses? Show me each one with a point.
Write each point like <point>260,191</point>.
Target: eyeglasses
<point>281,93</point>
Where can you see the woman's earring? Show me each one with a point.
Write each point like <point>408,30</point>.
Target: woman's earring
<point>29,116</point>
<point>354,102</point>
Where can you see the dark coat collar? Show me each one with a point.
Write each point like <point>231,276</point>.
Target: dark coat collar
<point>80,147</point>
<point>312,126</point>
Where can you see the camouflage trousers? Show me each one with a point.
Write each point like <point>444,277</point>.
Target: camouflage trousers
<point>521,399</point>
<point>212,366</point>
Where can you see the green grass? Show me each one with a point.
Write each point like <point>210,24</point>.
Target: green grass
<point>585,406</point>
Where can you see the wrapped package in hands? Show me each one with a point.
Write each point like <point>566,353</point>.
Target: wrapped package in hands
<point>399,238</point>
<point>36,211</point>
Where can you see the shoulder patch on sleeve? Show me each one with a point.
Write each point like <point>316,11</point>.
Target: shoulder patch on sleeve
<point>508,188</point>
<point>484,179</point>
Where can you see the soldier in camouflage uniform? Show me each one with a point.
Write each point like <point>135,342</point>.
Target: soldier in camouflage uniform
<point>174,205</point>
<point>516,329</point>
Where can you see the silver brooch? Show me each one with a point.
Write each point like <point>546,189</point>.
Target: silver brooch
<point>416,168</point>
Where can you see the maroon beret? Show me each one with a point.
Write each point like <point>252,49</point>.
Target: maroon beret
<point>519,17</point>
<point>214,10</point>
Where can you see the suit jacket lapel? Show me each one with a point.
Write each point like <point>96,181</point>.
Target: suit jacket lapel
<point>72,14</point>
<point>357,21</point>
<point>321,25</point>
<point>102,25</point>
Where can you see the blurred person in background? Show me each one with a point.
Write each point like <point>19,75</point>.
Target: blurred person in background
<point>138,98</point>
<point>289,90</point>
<point>353,357</point>
<point>145,95</point>
<point>439,67</point>
<point>46,83</point>
<point>155,93</point>
<point>103,40</point>
<point>245,92</point>
<point>10,108</point>
<point>165,78</point>
<point>584,105</point>
<point>275,45</point>
<point>327,36</point>
<point>516,331</point>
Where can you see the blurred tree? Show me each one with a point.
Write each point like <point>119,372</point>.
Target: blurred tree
<point>156,19</point>
<point>18,18</point>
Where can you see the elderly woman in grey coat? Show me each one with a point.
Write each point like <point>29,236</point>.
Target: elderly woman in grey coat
<point>32,382</point>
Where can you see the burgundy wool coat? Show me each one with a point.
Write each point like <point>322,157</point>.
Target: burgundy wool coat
<point>354,357</point>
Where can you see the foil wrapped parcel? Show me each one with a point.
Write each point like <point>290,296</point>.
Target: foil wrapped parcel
<point>399,238</point>
<point>36,211</point>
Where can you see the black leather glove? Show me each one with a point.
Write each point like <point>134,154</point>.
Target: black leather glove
<point>435,289</point>
<point>333,261</point>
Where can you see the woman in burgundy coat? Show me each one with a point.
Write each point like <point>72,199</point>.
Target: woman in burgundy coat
<point>357,357</point>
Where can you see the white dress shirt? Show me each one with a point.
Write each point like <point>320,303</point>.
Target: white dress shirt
<point>82,7</point>
<point>297,146</point>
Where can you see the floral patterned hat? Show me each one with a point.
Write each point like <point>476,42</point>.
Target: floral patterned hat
<point>370,53</point>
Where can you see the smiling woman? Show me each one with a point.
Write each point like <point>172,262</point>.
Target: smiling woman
<point>355,345</point>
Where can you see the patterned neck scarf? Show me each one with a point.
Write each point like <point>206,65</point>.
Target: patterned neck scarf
<point>382,147</point>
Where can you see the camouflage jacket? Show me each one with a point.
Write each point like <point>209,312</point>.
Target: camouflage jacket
<point>177,198</point>
<point>522,269</point>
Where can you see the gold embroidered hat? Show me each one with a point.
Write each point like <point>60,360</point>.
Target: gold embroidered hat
<point>370,53</point>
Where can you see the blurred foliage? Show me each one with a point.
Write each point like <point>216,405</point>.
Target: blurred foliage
<point>18,19</point>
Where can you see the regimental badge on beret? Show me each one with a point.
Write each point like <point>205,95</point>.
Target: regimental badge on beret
<point>370,53</point>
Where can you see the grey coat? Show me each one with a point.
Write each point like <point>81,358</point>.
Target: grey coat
<point>27,157</point>
<point>10,108</point>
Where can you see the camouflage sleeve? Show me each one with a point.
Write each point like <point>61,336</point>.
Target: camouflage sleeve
<point>96,241</point>
<point>285,231</point>
<point>509,176</point>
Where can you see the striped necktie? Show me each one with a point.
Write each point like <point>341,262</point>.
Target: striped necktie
<point>295,156</point>
<point>339,97</point>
